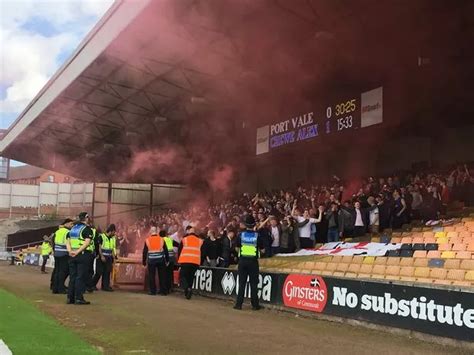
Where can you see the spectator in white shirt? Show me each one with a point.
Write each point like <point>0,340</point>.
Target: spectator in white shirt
<point>305,230</point>
<point>275,229</point>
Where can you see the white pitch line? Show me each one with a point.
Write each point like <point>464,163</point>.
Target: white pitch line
<point>4,350</point>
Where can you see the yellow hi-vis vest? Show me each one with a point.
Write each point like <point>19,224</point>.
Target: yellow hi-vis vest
<point>249,247</point>
<point>46,249</point>
<point>60,242</point>
<point>169,246</point>
<point>108,245</point>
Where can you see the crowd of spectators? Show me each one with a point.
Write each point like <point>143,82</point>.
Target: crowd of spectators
<point>291,219</point>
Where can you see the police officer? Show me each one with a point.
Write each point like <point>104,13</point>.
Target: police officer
<point>189,260</point>
<point>107,252</point>
<point>248,244</point>
<point>61,257</point>
<point>78,242</point>
<point>155,257</point>
<point>170,244</point>
<point>46,251</point>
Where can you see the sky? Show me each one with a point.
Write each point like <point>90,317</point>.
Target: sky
<point>36,38</point>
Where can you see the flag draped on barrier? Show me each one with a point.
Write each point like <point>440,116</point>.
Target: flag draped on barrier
<point>348,249</point>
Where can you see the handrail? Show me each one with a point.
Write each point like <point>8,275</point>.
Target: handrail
<point>20,246</point>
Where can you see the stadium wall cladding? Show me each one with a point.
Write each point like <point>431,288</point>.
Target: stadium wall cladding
<point>442,312</point>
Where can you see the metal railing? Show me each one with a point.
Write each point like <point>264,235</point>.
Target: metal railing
<point>20,246</point>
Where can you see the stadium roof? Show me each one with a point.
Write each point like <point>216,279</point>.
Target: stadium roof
<point>149,70</point>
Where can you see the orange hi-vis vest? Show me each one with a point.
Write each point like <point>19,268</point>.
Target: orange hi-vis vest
<point>155,244</point>
<point>191,252</point>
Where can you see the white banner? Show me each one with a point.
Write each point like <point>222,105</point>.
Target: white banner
<point>348,249</point>
<point>263,140</point>
<point>371,107</point>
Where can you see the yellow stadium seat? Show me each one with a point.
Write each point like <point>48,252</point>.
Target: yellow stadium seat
<point>448,255</point>
<point>406,261</point>
<point>438,273</point>
<point>433,254</point>
<point>379,270</point>
<point>452,234</point>
<point>369,260</point>
<point>428,234</point>
<point>357,259</point>
<point>469,276</point>
<point>452,264</point>
<point>442,240</point>
<point>407,271</point>
<point>392,270</point>
<point>465,234</point>
<point>459,247</point>
<point>448,229</point>
<point>470,247</point>
<point>336,259</point>
<point>444,247</point>
<point>466,264</point>
<point>353,268</point>
<point>396,240</point>
<point>407,240</point>
<point>417,235</point>
<point>440,235</point>
<point>419,254</point>
<point>393,261</point>
<point>326,273</point>
<point>380,260</point>
<point>418,240</point>
<point>331,267</point>
<point>456,275</point>
<point>422,272</point>
<point>308,265</point>
<point>429,240</point>
<point>461,229</point>
<point>365,271</point>
<point>320,265</point>
<point>342,267</point>
<point>464,255</point>
<point>420,262</point>
<point>347,259</point>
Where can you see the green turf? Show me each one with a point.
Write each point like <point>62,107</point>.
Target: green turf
<point>26,330</point>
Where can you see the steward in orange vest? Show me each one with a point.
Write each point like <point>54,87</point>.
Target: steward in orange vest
<point>189,259</point>
<point>156,257</point>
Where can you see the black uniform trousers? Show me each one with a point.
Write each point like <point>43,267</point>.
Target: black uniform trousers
<point>248,268</point>
<point>78,269</point>
<point>162,276</point>
<point>103,270</point>
<point>186,275</point>
<point>60,273</point>
<point>45,260</point>
<point>170,276</point>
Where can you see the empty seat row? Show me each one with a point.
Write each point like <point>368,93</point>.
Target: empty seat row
<point>462,264</point>
<point>406,273</point>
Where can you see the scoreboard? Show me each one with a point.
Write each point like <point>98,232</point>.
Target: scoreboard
<point>357,111</point>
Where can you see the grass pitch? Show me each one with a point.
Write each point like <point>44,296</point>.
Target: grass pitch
<point>26,330</point>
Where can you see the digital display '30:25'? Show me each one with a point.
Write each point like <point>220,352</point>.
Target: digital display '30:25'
<point>342,109</point>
